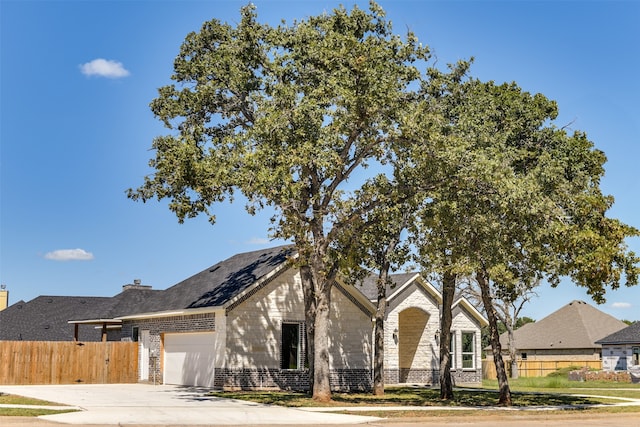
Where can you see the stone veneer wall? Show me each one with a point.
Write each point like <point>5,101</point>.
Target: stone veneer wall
<point>431,377</point>
<point>251,379</point>
<point>471,376</point>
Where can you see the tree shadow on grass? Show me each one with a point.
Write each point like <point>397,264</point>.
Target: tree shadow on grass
<point>411,396</point>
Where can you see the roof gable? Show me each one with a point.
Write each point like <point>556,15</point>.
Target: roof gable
<point>466,306</point>
<point>576,325</point>
<point>399,282</point>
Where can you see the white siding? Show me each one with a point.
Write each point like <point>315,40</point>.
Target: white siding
<point>253,328</point>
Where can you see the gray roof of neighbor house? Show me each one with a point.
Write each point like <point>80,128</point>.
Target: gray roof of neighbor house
<point>369,285</point>
<point>127,301</point>
<point>45,318</point>
<point>577,325</point>
<point>628,335</point>
<point>218,284</point>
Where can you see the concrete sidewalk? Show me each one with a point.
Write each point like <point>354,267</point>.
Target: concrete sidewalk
<point>122,404</point>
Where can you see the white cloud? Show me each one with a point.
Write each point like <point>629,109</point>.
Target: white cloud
<point>69,255</point>
<point>621,305</point>
<point>104,68</point>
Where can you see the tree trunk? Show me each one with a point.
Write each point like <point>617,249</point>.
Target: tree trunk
<point>309,317</point>
<point>513,352</point>
<point>378,362</point>
<point>321,383</point>
<point>496,349</point>
<point>448,292</point>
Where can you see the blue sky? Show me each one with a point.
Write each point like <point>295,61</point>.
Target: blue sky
<point>77,78</point>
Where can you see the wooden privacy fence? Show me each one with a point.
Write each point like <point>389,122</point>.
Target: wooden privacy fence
<point>64,362</point>
<point>536,368</point>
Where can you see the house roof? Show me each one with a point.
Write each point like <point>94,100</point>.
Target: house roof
<point>369,287</point>
<point>217,285</point>
<point>127,301</point>
<point>628,335</point>
<point>45,318</point>
<point>577,325</point>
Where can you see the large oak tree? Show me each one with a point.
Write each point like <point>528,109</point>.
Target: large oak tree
<point>287,116</point>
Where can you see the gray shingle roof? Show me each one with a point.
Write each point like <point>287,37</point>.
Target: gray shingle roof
<point>45,318</point>
<point>369,286</point>
<point>218,284</point>
<point>126,302</point>
<point>577,325</point>
<point>628,335</point>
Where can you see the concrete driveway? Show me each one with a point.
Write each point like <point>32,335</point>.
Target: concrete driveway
<point>123,404</point>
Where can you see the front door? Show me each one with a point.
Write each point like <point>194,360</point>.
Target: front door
<point>144,355</point>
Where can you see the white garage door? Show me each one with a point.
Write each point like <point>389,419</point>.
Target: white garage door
<point>189,359</point>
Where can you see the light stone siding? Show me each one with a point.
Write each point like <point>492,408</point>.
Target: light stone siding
<point>463,322</point>
<point>411,355</point>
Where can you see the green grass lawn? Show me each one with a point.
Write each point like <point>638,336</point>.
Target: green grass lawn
<point>555,390</point>
<point>12,399</point>
<point>414,396</point>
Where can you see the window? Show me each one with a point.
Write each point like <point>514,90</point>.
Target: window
<point>524,356</point>
<point>291,353</point>
<point>452,350</point>
<point>135,331</point>
<point>468,350</point>
<point>635,356</point>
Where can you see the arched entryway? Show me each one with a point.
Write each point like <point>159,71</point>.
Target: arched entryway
<point>413,343</point>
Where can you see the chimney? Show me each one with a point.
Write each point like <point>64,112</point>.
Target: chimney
<point>137,284</point>
<point>4,297</point>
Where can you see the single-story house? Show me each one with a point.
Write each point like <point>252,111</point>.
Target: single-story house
<point>621,350</point>
<point>240,324</point>
<point>570,333</point>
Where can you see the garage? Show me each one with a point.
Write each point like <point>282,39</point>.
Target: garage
<point>189,359</point>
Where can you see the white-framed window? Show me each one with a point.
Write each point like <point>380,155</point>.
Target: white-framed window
<point>292,354</point>
<point>635,356</point>
<point>452,350</point>
<point>468,350</point>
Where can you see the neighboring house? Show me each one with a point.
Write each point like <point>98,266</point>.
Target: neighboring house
<point>568,334</point>
<point>46,318</point>
<point>621,350</point>
<point>412,332</point>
